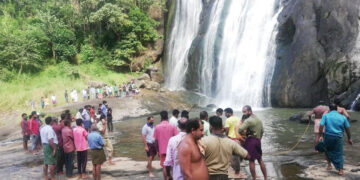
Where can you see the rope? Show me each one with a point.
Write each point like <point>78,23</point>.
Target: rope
<point>291,149</point>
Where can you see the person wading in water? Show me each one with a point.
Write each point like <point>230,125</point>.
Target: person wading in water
<point>318,111</point>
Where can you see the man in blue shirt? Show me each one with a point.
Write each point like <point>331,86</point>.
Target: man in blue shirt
<point>96,144</point>
<point>335,124</point>
<point>104,109</point>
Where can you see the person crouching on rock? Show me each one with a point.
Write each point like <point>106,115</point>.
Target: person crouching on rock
<point>96,144</point>
<point>335,124</point>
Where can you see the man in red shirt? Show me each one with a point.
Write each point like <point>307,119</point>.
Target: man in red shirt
<point>162,133</point>
<point>69,147</point>
<point>25,131</point>
<point>34,132</point>
<point>60,156</point>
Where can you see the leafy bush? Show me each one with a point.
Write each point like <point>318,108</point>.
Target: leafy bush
<point>87,54</point>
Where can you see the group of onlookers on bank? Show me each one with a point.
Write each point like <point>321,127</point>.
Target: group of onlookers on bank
<point>202,148</point>
<point>88,129</point>
<point>118,91</point>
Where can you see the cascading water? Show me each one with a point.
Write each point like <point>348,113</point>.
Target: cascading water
<point>236,60</point>
<point>186,25</point>
<point>353,104</point>
<point>247,54</point>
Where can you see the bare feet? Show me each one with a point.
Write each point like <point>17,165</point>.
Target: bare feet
<point>111,163</point>
<point>240,176</point>
<point>84,176</point>
<point>151,174</point>
<point>329,167</point>
<point>341,172</point>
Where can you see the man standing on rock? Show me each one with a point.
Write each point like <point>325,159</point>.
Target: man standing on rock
<point>96,144</point>
<point>335,124</point>
<point>49,141</point>
<point>162,133</point>
<point>60,156</point>
<point>172,158</point>
<point>25,131</point>
<point>218,150</point>
<point>34,132</point>
<point>81,145</point>
<point>318,111</point>
<point>69,147</point>
<point>101,125</point>
<point>230,130</point>
<point>254,130</point>
<point>192,162</point>
<point>147,133</point>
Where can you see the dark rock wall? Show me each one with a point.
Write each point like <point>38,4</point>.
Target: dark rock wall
<point>314,39</point>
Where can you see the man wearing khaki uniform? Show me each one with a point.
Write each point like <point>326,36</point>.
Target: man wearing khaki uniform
<point>101,125</point>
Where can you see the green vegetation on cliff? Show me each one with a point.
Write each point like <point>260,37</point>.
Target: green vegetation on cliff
<point>36,34</point>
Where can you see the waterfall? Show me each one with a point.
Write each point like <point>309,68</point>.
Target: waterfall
<point>353,104</point>
<point>236,60</point>
<point>246,57</point>
<point>185,28</point>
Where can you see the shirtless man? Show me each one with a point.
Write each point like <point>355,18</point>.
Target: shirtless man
<point>341,110</point>
<point>191,161</point>
<point>318,111</point>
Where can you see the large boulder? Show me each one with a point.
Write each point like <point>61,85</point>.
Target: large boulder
<point>145,77</point>
<point>157,77</point>
<point>152,85</point>
<point>314,37</point>
<point>301,117</point>
<point>139,83</point>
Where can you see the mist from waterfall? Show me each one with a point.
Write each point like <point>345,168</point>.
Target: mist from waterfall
<point>186,25</point>
<point>237,51</point>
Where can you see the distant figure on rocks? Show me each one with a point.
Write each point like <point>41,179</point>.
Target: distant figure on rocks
<point>191,161</point>
<point>25,131</point>
<point>96,144</point>
<point>172,158</point>
<point>50,143</point>
<point>66,95</point>
<point>335,124</point>
<point>147,133</point>
<point>318,111</point>
<point>53,99</point>
<point>254,130</point>
<point>162,133</point>
<point>174,118</point>
<point>109,119</point>
<point>42,102</point>
<point>218,150</point>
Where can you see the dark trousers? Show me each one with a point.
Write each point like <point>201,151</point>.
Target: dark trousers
<point>60,160</point>
<point>218,177</point>
<point>235,162</point>
<point>69,166</point>
<point>82,160</point>
<point>110,124</point>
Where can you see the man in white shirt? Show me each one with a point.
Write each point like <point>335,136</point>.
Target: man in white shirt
<point>49,141</point>
<point>174,119</point>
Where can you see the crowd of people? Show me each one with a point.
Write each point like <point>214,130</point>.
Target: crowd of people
<point>99,92</point>
<point>202,147</point>
<point>87,130</point>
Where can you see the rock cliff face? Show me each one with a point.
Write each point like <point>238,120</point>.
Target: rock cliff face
<point>314,44</point>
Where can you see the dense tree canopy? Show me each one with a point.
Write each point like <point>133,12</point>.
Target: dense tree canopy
<point>36,33</point>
